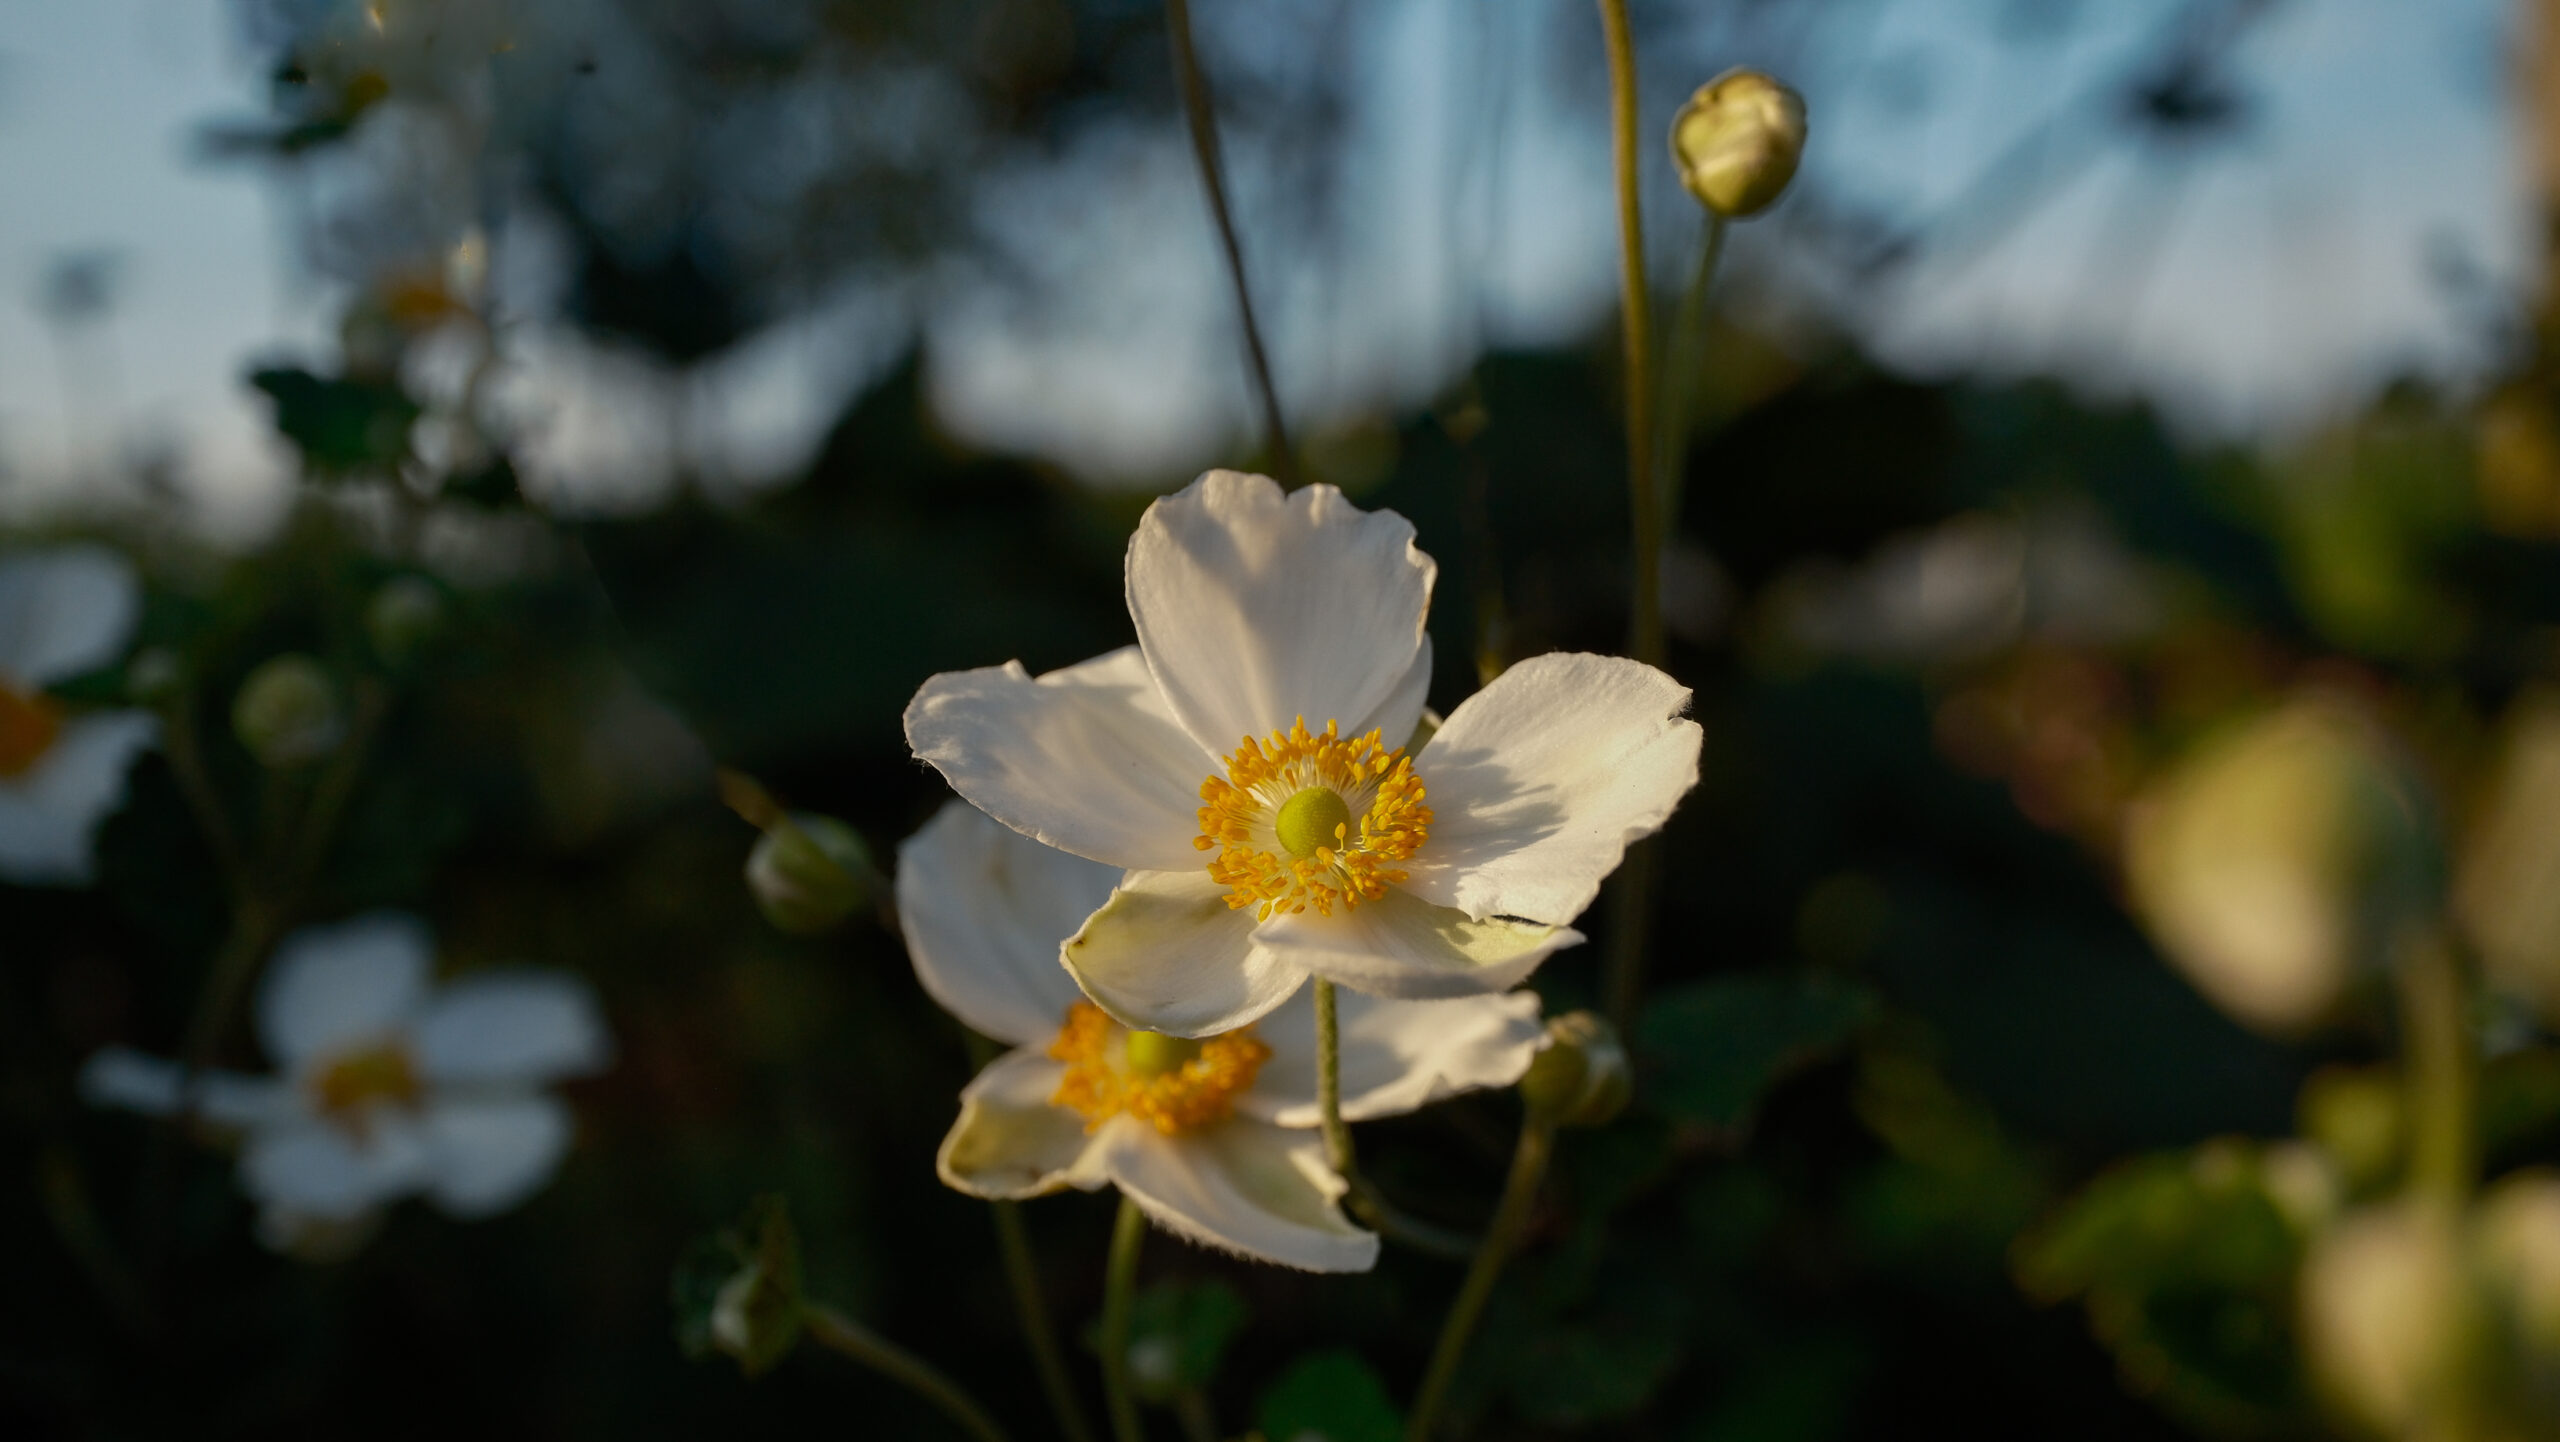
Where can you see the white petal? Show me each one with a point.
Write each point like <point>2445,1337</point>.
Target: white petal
<point>1084,758</point>
<point>985,909</point>
<point>512,1026</point>
<point>347,982</point>
<point>1400,715</point>
<point>1010,1142</point>
<point>1397,1056</point>
<point>1241,1186</point>
<point>63,612</point>
<point>49,815</point>
<point>1540,781</point>
<point>313,1167</point>
<point>122,1077</point>
<point>1402,946</point>
<point>1257,607</point>
<point>485,1154</point>
<point>1167,953</point>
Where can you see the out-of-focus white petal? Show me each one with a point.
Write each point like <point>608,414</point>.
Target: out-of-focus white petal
<point>351,981</point>
<point>985,909</point>
<point>1403,946</point>
<point>1009,1142</point>
<point>1085,758</point>
<point>1257,607</point>
<point>64,611</point>
<point>1540,781</point>
<point>525,1027</point>
<point>485,1154</point>
<point>1241,1186</point>
<point>122,1077</point>
<point>1397,1056</point>
<point>49,815</point>
<point>328,1172</point>
<point>1166,953</point>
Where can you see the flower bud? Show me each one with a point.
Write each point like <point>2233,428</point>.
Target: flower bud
<point>288,712</point>
<point>154,675</point>
<point>739,1292</point>
<point>1737,142</point>
<point>2389,1314</point>
<point>402,617</point>
<point>2354,1114</point>
<point>808,873</point>
<point>2281,857</point>
<point>2518,1246</point>
<point>1581,1078</point>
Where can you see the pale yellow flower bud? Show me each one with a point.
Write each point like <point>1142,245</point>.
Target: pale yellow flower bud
<point>1737,142</point>
<point>288,712</point>
<point>809,873</point>
<point>1581,1078</point>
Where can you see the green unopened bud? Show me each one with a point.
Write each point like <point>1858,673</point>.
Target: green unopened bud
<point>1737,142</point>
<point>2354,1114</point>
<point>288,712</point>
<point>154,675</point>
<point>808,873</point>
<point>1581,1078</point>
<point>402,617</point>
<point>740,1293</point>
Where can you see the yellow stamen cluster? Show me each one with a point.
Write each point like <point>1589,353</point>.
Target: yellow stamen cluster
<point>1104,1079</point>
<point>1254,813</point>
<point>29,722</point>
<point>350,1084</point>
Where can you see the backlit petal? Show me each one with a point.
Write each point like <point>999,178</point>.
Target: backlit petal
<point>348,982</point>
<point>1084,758</point>
<point>1397,1056</point>
<point>1257,607</point>
<point>1166,953</point>
<point>1403,946</point>
<point>1010,1142</point>
<point>63,612</point>
<point>486,1154</point>
<point>985,909</point>
<point>1540,781</point>
<point>1241,1186</point>
<point>49,816</point>
<point>525,1027</point>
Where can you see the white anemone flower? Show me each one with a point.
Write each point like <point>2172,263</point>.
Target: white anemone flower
<point>388,1086</point>
<point>1214,1139</point>
<point>63,611</point>
<point>1245,764</point>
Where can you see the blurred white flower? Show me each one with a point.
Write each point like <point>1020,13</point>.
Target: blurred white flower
<point>1214,1139</point>
<point>1280,669</point>
<point>63,611</point>
<point>387,1085</point>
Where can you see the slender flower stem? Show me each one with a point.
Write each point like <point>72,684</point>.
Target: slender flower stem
<point>1510,1218</point>
<point>1034,1312</point>
<point>1680,371</point>
<point>1337,1137</point>
<point>833,1329</point>
<point>1119,1286</point>
<point>1633,906</point>
<point>2442,1068</point>
<point>1201,117</point>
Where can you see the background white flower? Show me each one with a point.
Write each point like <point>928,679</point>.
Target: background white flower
<point>63,611</point>
<point>387,1085</point>
<point>1280,668</point>
<point>983,908</point>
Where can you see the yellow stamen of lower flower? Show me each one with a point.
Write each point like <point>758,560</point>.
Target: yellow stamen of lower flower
<point>350,1084</point>
<point>1167,1082</point>
<point>1310,819</point>
<point>29,722</point>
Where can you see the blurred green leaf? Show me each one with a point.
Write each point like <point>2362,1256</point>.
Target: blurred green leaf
<point>1712,1048</point>
<point>1329,1397</point>
<point>340,426</point>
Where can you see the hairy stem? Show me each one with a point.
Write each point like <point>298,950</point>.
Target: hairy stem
<point>833,1329</point>
<point>1337,1137</point>
<point>1636,319</point>
<point>1034,1313</point>
<point>1200,116</point>
<point>1510,1218</point>
<point>1119,1287</point>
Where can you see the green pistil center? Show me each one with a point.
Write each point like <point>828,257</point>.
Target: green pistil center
<point>1154,1054</point>
<point>1317,816</point>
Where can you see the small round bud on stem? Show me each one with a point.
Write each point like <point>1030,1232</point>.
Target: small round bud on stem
<point>758,1310</point>
<point>808,873</point>
<point>154,676</point>
<point>402,617</point>
<point>288,713</point>
<point>1581,1078</point>
<point>1737,142</point>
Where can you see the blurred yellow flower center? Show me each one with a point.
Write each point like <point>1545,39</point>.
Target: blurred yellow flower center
<point>1307,820</point>
<point>1169,1082</point>
<point>354,1082</point>
<point>29,722</point>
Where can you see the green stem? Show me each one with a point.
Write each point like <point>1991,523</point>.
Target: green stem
<point>1201,117</point>
<point>2443,1070</point>
<point>835,1330</point>
<point>1680,378</point>
<point>1636,317</point>
<point>1337,1137</point>
<point>1510,1219</point>
<point>1034,1314</point>
<point>1119,1287</point>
